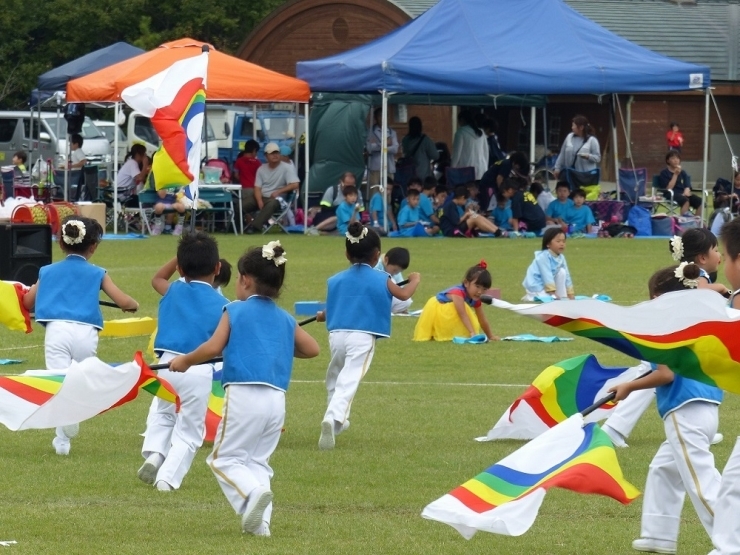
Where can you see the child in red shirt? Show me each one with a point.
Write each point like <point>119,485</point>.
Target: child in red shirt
<point>674,137</point>
<point>247,164</point>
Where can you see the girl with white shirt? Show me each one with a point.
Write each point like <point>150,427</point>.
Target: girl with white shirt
<point>580,150</point>
<point>470,147</point>
<point>133,173</point>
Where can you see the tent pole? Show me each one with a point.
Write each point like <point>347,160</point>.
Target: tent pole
<point>116,108</point>
<point>706,155</point>
<point>615,150</point>
<point>532,132</point>
<point>384,157</point>
<point>67,165</point>
<point>305,180</point>
<point>545,141</point>
<point>454,121</point>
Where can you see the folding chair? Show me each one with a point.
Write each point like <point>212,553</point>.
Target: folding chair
<point>280,217</point>
<point>668,203</point>
<point>459,176</point>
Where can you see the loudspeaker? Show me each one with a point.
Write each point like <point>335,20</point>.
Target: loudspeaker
<point>75,115</point>
<point>24,248</point>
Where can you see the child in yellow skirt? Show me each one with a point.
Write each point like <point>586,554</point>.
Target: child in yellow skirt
<point>457,311</point>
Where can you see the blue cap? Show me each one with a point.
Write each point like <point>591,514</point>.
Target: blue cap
<point>285,150</point>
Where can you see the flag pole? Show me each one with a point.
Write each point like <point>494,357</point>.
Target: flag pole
<point>610,397</point>
<point>205,49</point>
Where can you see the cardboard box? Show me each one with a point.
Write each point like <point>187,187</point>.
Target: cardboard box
<point>94,210</point>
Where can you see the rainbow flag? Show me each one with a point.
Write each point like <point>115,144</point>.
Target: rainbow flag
<point>175,100</point>
<point>505,498</point>
<point>40,399</point>
<point>13,314</point>
<point>693,332</point>
<point>215,406</point>
<point>559,392</point>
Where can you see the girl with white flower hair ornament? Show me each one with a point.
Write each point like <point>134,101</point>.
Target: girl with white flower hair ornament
<point>66,302</point>
<point>358,311</point>
<point>258,340</point>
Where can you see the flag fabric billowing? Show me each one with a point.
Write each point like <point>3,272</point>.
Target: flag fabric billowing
<point>693,332</point>
<point>175,100</point>
<point>560,391</point>
<point>13,314</point>
<point>505,498</point>
<point>215,406</point>
<point>40,399</point>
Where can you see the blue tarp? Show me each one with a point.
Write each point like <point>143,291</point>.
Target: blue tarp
<point>501,47</point>
<point>57,78</point>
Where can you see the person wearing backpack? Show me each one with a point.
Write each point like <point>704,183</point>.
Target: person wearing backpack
<point>418,149</point>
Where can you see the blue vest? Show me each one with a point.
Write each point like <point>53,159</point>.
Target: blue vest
<point>683,390</point>
<point>69,290</point>
<point>358,300</point>
<point>188,315</point>
<point>261,344</point>
<point>443,298</point>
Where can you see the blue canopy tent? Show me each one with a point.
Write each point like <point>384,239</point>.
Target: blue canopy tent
<point>495,47</point>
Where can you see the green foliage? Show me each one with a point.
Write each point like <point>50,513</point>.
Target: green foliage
<point>59,31</point>
<point>411,439</point>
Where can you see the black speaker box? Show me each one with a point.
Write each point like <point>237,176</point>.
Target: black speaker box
<point>24,248</point>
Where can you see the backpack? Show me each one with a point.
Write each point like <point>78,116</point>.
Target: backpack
<point>409,161</point>
<point>639,218</point>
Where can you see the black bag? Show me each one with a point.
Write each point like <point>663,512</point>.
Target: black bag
<point>578,179</point>
<point>409,161</point>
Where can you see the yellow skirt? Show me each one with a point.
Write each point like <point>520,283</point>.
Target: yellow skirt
<point>440,322</point>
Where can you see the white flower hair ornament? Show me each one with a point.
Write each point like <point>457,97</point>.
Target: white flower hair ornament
<point>268,252</point>
<point>352,239</point>
<point>690,283</point>
<point>677,248</point>
<point>80,232</point>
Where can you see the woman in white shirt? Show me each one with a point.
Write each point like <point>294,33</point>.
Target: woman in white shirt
<point>470,147</point>
<point>580,149</point>
<point>133,172</point>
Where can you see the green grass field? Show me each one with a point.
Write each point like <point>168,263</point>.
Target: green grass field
<point>411,440</point>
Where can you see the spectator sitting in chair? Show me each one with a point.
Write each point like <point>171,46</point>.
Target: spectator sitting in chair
<point>674,180</point>
<point>77,155</point>
<point>133,173</point>
<point>272,180</point>
<point>558,210</point>
<point>167,201</point>
<point>524,207</point>
<point>326,219</point>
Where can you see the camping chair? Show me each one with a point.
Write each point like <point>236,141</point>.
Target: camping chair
<point>218,163</point>
<point>459,176</point>
<point>671,208</point>
<point>281,217</point>
<point>403,175</point>
<point>631,184</point>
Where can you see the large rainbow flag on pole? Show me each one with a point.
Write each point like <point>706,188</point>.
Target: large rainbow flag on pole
<point>49,398</point>
<point>175,100</point>
<point>693,332</point>
<point>13,315</point>
<point>505,498</point>
<point>560,391</point>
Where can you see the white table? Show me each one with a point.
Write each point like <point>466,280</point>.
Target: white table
<point>228,187</point>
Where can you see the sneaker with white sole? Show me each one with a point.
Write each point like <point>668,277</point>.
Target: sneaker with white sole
<point>161,485</point>
<point>257,502</point>
<point>649,545</point>
<point>148,471</point>
<point>157,227</point>
<point>326,440</point>
<point>177,231</point>
<point>61,446</point>
<point>263,530</point>
<point>71,431</point>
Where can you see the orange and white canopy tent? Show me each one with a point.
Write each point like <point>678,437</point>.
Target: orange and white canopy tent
<point>230,79</point>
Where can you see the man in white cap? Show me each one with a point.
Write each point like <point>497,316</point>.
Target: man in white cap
<point>273,180</point>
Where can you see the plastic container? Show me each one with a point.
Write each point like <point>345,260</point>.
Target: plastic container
<point>212,175</point>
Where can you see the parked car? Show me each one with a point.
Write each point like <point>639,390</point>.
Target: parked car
<point>108,128</point>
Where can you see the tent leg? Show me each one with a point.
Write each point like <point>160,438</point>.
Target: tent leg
<point>547,146</point>
<point>532,132</point>
<point>116,108</point>
<point>615,149</point>
<point>706,157</point>
<point>384,157</point>
<point>308,166</point>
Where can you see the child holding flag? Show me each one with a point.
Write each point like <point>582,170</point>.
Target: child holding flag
<point>188,314</point>
<point>66,299</point>
<point>683,464</point>
<point>258,340</point>
<point>358,311</point>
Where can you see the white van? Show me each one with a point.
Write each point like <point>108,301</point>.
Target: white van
<point>49,141</point>
<point>108,128</point>
<point>140,130</point>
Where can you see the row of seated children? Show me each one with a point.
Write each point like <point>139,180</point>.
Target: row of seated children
<point>569,211</point>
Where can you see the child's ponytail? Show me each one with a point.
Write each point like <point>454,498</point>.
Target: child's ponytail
<point>693,243</point>
<point>77,234</point>
<point>362,243</point>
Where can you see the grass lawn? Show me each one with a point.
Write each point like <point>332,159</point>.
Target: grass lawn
<point>411,440</point>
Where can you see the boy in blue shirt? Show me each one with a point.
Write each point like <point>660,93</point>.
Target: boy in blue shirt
<point>348,211</point>
<point>558,209</point>
<point>393,263</point>
<point>377,214</point>
<point>409,218</point>
<point>502,215</point>
<point>580,216</point>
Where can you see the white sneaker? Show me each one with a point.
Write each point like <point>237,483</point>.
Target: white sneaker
<point>157,227</point>
<point>312,231</point>
<point>178,230</point>
<point>326,441</point>
<point>263,530</point>
<point>649,545</point>
<point>717,438</point>
<point>339,428</point>
<point>61,446</point>
<point>615,436</point>
<point>71,431</point>
<point>257,502</point>
<point>161,485</point>
<point>148,471</point>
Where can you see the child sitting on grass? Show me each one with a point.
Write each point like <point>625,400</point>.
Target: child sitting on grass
<point>409,218</point>
<point>580,216</point>
<point>456,221</point>
<point>548,274</point>
<point>502,215</point>
<point>377,211</point>
<point>558,209</point>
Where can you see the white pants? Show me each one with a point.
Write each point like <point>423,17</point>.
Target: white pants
<point>628,412</point>
<point>351,355</point>
<point>398,306</point>
<point>247,436</point>
<point>560,289</point>
<point>67,342</point>
<point>683,464</point>
<point>178,436</point>
<point>726,533</point>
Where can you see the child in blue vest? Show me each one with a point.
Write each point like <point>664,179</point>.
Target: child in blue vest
<point>189,312</point>
<point>258,340</point>
<point>66,299</point>
<point>358,311</point>
<point>683,464</point>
